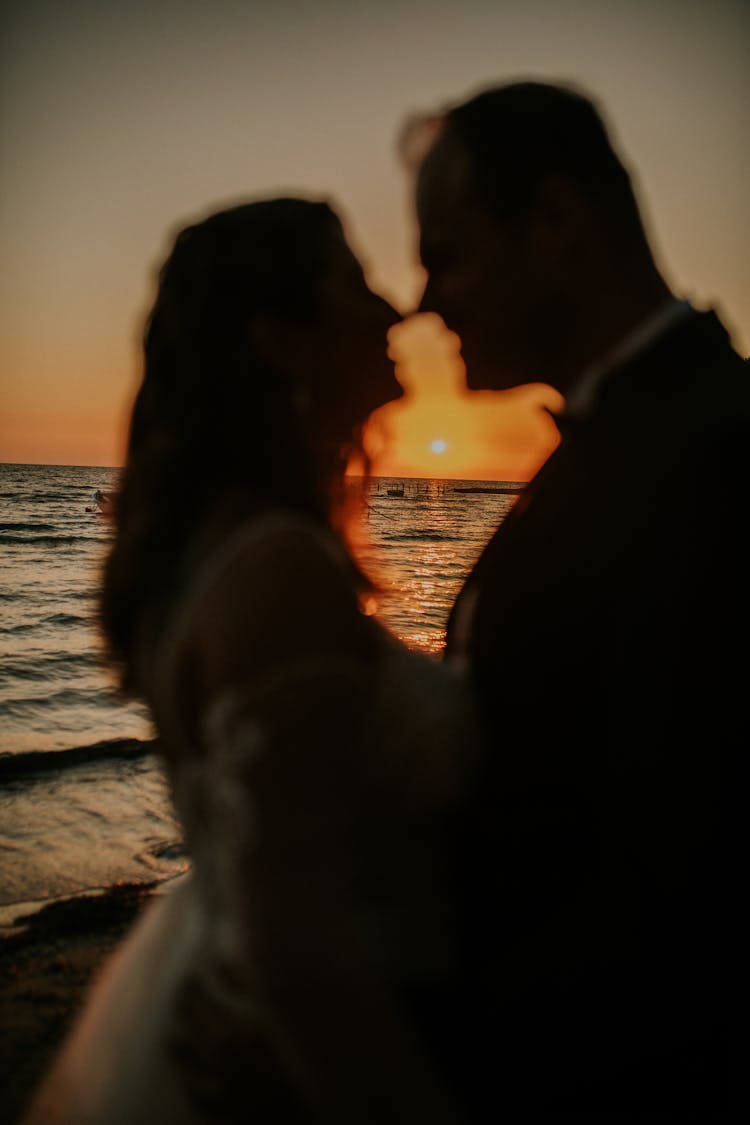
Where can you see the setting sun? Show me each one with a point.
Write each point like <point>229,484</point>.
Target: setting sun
<point>440,429</point>
<point>490,435</point>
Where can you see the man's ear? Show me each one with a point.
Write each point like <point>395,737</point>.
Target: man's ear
<point>559,217</point>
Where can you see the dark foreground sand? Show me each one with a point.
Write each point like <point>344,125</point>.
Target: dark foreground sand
<point>44,974</point>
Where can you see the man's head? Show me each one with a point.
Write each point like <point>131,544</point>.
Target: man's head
<point>525,213</point>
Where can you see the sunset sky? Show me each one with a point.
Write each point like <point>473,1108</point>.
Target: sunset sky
<point>119,121</point>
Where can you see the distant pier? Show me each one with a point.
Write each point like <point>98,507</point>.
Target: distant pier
<point>413,488</point>
<point>498,490</point>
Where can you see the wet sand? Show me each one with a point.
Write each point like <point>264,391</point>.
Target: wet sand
<point>45,971</point>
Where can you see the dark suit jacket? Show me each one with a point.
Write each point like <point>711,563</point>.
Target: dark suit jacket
<point>608,650</point>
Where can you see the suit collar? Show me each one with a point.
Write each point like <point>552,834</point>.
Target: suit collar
<point>581,399</point>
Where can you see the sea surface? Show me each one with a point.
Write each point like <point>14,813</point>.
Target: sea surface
<point>84,804</point>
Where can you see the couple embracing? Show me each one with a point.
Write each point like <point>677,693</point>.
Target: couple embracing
<point>491,886</point>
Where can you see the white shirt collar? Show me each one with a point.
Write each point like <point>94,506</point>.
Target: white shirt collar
<point>579,401</point>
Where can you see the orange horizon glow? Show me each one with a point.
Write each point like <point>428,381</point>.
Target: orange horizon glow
<point>455,434</point>
<point>469,435</point>
<point>438,429</point>
<point>442,430</point>
<point>62,433</point>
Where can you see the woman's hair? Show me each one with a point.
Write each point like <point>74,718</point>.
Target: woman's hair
<point>212,425</point>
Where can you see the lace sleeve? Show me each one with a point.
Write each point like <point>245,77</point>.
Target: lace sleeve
<point>269,779</point>
<point>286,776</point>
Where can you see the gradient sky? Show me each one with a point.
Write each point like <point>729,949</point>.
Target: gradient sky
<point>120,121</point>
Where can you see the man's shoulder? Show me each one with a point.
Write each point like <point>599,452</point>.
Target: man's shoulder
<point>702,344</point>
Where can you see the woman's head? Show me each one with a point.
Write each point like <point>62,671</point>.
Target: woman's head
<point>264,353</point>
<point>263,335</point>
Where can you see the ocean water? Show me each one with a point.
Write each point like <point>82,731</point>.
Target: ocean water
<point>83,800</point>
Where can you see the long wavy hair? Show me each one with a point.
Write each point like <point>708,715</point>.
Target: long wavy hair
<point>212,425</point>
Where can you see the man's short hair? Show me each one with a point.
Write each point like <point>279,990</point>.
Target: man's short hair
<point>519,133</point>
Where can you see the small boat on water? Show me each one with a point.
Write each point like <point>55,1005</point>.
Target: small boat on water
<point>103,503</point>
<point>396,491</point>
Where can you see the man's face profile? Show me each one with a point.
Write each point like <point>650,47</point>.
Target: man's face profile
<point>476,267</point>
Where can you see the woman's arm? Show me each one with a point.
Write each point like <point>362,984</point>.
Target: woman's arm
<point>283,652</point>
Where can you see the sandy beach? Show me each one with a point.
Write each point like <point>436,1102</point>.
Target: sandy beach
<point>45,971</point>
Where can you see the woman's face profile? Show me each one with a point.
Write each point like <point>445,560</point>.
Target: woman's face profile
<point>350,373</point>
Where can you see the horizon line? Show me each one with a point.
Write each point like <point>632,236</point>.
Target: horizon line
<point>348,476</point>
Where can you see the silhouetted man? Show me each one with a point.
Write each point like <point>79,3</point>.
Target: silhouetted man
<point>605,628</point>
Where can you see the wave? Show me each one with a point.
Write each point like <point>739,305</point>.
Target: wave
<point>27,527</point>
<point>46,540</point>
<point>36,667</point>
<point>44,497</point>
<point>26,627</point>
<point>65,619</point>
<point>80,912</point>
<point>52,619</point>
<point>427,534</point>
<point>31,763</point>
<point>20,706</point>
<point>61,595</point>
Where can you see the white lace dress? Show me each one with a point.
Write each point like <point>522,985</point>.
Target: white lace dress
<point>317,793</point>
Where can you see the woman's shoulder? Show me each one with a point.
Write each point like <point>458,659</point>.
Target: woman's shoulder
<point>285,538</point>
<point>272,588</point>
<point>283,567</point>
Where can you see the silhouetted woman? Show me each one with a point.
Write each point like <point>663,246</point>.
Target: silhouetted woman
<point>315,762</point>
